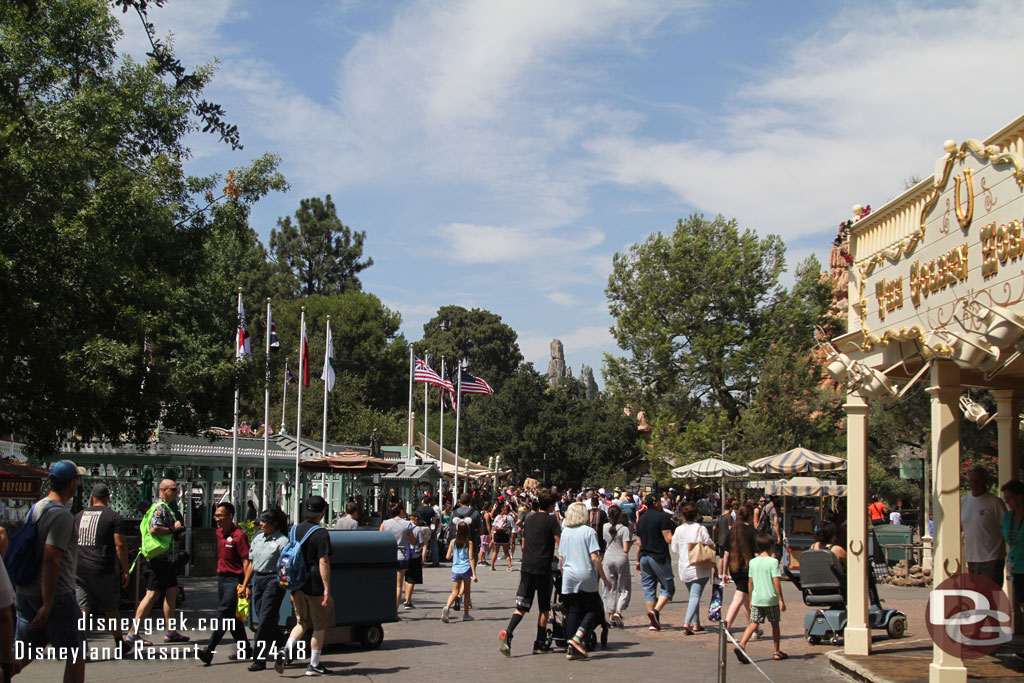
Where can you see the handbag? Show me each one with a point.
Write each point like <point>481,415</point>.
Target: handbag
<point>702,556</point>
<point>242,605</point>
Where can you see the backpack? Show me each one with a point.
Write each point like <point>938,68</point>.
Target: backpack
<point>22,563</point>
<point>501,523</point>
<point>594,522</point>
<point>463,518</point>
<point>764,524</point>
<point>292,570</point>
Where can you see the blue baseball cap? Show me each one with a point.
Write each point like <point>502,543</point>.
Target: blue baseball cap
<point>64,471</point>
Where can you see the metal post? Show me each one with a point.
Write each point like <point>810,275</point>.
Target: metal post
<point>723,649</point>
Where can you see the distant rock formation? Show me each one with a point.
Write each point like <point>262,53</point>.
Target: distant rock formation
<point>556,366</point>
<point>587,377</point>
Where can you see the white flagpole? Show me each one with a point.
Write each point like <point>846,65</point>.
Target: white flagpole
<point>327,350</point>
<point>234,431</point>
<point>412,448</point>
<point>266,413</point>
<point>426,451</point>
<point>297,489</point>
<point>440,444</point>
<point>284,396</point>
<point>458,415</point>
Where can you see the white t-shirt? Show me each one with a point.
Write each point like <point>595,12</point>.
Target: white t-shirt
<point>895,517</point>
<point>981,518</point>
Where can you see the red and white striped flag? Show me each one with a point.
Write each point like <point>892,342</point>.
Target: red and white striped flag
<point>424,373</point>
<point>471,384</point>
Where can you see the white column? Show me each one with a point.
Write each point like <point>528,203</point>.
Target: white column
<point>1008,426</point>
<point>945,391</point>
<point>857,637</point>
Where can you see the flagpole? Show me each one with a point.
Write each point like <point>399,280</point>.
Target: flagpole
<point>297,489</point>
<point>327,353</point>
<point>426,401</point>
<point>440,443</point>
<point>266,413</point>
<point>458,416</point>
<point>234,431</point>
<point>412,447</point>
<point>284,396</point>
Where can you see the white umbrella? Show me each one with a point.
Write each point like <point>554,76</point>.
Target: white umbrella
<point>711,468</point>
<point>798,461</point>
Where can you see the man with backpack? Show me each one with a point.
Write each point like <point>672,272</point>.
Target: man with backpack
<point>466,511</point>
<point>768,524</point>
<point>42,558</point>
<point>158,528</point>
<point>305,565</point>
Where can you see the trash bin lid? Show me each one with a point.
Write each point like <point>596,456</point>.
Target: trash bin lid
<point>362,547</point>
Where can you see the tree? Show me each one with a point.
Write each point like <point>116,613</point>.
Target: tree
<point>318,254</point>
<point>102,239</point>
<point>692,310</point>
<point>478,336</point>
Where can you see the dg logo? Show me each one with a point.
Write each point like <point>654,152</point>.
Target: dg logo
<point>969,616</point>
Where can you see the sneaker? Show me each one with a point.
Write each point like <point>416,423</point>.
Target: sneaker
<point>571,654</point>
<point>467,617</point>
<point>655,620</point>
<point>318,670</point>
<point>505,643</point>
<point>258,665</point>
<point>407,605</point>
<point>205,656</point>
<point>575,645</point>
<point>444,613</point>
<point>281,661</point>
<point>617,620</point>
<point>540,648</point>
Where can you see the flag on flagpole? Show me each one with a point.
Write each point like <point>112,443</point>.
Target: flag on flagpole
<point>242,350</point>
<point>474,385</point>
<point>305,358</point>
<point>275,343</point>
<point>424,373</point>
<point>328,373</point>
<point>448,389</point>
<point>289,378</point>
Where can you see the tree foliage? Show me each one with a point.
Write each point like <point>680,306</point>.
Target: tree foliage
<point>480,337</point>
<point>318,254</point>
<point>693,310</point>
<point>103,238</point>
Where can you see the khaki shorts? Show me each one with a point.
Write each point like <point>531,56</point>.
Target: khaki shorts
<point>310,614</point>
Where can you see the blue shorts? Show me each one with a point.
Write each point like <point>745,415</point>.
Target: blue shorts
<point>60,629</point>
<point>656,578</point>
<point>464,576</point>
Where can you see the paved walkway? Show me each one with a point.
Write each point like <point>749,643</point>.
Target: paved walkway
<point>422,648</point>
<point>906,661</point>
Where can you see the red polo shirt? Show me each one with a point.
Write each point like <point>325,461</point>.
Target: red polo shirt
<point>232,549</point>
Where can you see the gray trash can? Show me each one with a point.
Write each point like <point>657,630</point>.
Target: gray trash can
<point>363,569</point>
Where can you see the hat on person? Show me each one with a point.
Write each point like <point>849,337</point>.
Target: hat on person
<point>100,491</point>
<point>601,491</point>
<point>316,504</point>
<point>64,471</point>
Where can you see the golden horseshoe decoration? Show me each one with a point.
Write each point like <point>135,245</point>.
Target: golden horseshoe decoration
<point>945,567</point>
<point>856,553</point>
<point>964,216</point>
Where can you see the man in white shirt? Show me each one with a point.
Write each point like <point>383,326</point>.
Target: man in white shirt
<point>895,517</point>
<point>981,518</point>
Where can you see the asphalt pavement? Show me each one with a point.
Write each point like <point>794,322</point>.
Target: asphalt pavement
<point>422,648</point>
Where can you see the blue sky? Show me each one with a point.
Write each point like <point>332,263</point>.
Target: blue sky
<point>499,153</point>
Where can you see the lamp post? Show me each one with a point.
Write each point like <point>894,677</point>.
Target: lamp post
<point>497,465</point>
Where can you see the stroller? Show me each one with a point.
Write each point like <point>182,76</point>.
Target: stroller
<point>556,636</point>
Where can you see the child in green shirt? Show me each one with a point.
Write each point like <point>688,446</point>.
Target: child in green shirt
<point>766,602</point>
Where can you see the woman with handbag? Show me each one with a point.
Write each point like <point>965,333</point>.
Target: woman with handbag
<point>696,551</point>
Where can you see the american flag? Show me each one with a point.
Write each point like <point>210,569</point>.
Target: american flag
<point>423,373</point>
<point>448,387</point>
<point>471,384</point>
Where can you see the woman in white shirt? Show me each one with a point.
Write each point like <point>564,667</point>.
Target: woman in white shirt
<point>694,577</point>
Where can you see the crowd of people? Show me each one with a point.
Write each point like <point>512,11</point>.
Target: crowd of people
<point>574,550</point>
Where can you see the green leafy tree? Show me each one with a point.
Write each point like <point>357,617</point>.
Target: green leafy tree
<point>692,309</point>
<point>480,337</point>
<point>102,246</point>
<point>318,254</point>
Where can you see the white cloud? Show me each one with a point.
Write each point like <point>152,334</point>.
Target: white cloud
<point>846,116</point>
<point>495,244</point>
<point>563,299</point>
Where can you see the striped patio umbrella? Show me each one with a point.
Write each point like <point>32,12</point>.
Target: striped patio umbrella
<point>711,468</point>
<point>797,461</point>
